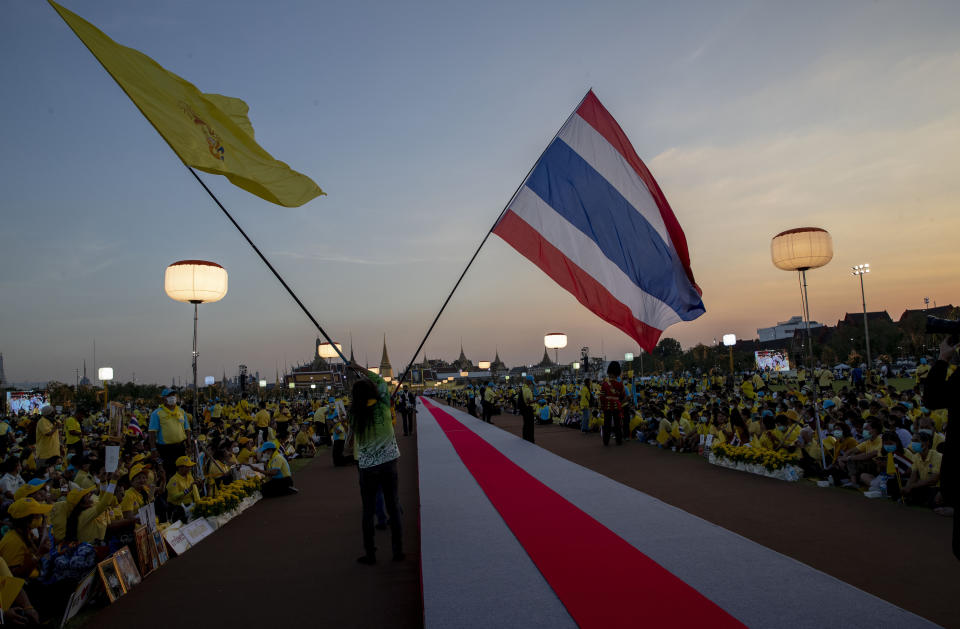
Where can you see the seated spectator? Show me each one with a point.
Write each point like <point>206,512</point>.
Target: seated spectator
<point>20,548</point>
<point>182,492</point>
<point>277,470</point>
<point>924,483</point>
<point>862,460</point>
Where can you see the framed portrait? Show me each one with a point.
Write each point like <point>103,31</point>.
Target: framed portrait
<point>110,575</point>
<point>116,419</point>
<point>127,568</point>
<point>146,552</point>
<point>161,547</point>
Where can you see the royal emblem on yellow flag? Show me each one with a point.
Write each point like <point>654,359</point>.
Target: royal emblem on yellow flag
<point>209,132</point>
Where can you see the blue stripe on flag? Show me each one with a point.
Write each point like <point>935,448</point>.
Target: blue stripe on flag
<point>580,195</point>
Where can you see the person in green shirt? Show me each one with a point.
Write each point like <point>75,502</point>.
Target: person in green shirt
<point>376,453</point>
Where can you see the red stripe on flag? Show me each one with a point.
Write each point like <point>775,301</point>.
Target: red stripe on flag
<point>588,291</point>
<point>600,119</point>
<point>603,581</point>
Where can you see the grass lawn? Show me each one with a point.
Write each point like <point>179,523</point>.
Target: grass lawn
<point>897,383</point>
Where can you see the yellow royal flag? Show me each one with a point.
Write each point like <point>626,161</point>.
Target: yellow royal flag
<point>209,132</point>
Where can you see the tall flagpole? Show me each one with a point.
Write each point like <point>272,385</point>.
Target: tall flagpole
<point>269,266</point>
<point>483,242</point>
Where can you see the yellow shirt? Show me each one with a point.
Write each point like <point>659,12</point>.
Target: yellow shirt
<point>873,446</point>
<point>927,467</point>
<point>277,462</point>
<point>303,437</point>
<point>244,455</point>
<point>91,526</point>
<point>181,490</point>
<point>170,426</point>
<point>84,479</point>
<point>72,424</point>
<point>133,500</point>
<point>13,550</point>
<point>47,445</point>
<point>58,519</point>
<point>262,418</point>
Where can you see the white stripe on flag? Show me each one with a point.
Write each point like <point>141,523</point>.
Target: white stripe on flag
<point>584,252</point>
<point>606,160</point>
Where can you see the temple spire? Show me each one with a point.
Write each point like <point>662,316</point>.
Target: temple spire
<point>386,371</point>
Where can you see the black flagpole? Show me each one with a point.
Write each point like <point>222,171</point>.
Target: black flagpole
<point>483,242</point>
<point>269,266</point>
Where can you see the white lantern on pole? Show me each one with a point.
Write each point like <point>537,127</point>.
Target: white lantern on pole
<point>209,380</point>
<point>292,385</point>
<point>729,339</point>
<point>799,250</point>
<point>195,282</point>
<point>555,341</point>
<point>263,383</point>
<point>106,375</point>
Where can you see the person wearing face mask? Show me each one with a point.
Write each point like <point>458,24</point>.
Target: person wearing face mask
<point>924,483</point>
<point>861,459</point>
<point>276,469</point>
<point>169,432</point>
<point>892,465</point>
<point>25,543</point>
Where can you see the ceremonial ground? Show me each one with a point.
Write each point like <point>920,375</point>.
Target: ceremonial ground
<point>560,534</point>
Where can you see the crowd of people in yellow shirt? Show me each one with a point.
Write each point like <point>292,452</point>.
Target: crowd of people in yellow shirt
<point>872,436</point>
<point>61,510</point>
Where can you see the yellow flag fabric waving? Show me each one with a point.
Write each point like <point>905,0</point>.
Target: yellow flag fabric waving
<point>209,132</point>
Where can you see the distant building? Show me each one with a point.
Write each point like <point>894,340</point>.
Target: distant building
<point>784,329</point>
<point>856,318</point>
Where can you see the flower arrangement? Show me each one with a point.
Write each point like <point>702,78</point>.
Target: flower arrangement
<point>769,459</point>
<point>227,498</point>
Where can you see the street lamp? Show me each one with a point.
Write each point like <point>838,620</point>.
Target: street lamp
<point>555,341</point>
<point>730,340</point>
<point>105,374</point>
<point>799,250</point>
<point>209,380</point>
<point>195,282</point>
<point>860,270</point>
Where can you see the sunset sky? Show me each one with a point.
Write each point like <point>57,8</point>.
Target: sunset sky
<point>419,120</point>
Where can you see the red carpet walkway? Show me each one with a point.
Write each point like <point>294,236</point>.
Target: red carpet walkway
<point>611,554</point>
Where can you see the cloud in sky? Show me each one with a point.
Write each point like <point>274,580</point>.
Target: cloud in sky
<point>420,122</point>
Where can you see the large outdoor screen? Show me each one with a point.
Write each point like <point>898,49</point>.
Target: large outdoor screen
<point>29,402</point>
<point>772,360</point>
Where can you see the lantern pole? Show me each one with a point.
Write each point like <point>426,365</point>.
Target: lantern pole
<point>196,305</point>
<point>806,317</point>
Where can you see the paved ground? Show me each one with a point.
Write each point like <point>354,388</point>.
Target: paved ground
<point>899,554</point>
<point>288,562</point>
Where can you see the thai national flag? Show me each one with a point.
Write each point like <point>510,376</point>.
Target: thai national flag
<point>591,216</point>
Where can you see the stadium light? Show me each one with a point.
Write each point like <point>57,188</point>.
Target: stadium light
<point>859,270</point>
